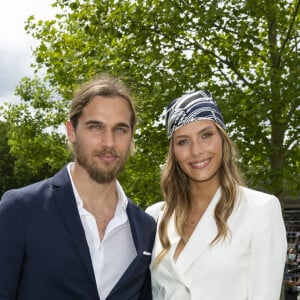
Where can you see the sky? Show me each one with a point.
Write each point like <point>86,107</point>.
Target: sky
<point>15,44</point>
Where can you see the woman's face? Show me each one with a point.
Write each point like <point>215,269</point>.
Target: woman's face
<point>198,150</point>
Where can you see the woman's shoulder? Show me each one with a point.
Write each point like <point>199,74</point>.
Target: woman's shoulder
<point>154,209</point>
<point>257,198</point>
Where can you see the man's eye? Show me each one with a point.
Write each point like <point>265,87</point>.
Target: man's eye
<point>94,126</point>
<point>121,129</point>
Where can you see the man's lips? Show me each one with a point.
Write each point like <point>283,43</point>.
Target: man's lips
<point>106,156</point>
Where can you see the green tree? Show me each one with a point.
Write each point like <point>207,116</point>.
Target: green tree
<point>244,52</point>
<point>7,178</point>
<point>36,146</point>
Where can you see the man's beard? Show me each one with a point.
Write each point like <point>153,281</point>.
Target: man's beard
<point>98,174</point>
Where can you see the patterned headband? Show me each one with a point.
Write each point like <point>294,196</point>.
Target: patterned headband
<point>192,107</point>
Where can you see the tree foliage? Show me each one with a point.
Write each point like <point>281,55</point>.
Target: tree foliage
<point>36,146</point>
<point>246,53</point>
<point>7,178</point>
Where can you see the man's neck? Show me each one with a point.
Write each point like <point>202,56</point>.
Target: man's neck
<point>100,199</point>
<point>95,196</point>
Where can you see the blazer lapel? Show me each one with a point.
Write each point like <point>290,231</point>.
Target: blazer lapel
<point>172,234</point>
<point>136,232</point>
<point>66,203</point>
<point>135,229</point>
<point>168,263</point>
<point>204,233</point>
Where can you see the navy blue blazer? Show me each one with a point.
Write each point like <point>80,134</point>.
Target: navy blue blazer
<point>44,254</point>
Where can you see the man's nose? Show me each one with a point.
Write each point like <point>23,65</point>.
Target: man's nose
<point>108,138</point>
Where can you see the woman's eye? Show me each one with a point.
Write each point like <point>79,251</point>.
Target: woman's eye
<point>182,142</point>
<point>207,135</point>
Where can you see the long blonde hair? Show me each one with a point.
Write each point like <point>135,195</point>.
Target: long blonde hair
<point>176,193</point>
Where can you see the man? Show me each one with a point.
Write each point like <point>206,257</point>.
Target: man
<point>76,236</point>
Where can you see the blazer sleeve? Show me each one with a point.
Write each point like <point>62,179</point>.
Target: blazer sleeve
<point>268,251</point>
<point>12,246</point>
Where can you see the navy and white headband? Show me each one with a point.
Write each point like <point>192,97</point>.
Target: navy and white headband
<point>192,107</point>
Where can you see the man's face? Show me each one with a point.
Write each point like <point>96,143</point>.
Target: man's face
<point>102,138</point>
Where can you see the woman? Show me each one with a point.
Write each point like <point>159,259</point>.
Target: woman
<point>216,239</point>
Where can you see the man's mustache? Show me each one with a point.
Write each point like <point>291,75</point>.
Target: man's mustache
<point>107,151</point>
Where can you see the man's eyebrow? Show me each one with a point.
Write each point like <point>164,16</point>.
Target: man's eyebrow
<point>93,122</point>
<point>122,124</point>
<point>90,122</point>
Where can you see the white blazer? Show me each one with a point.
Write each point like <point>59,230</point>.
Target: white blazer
<point>249,266</point>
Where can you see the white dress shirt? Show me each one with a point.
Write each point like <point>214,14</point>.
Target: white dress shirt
<point>111,256</point>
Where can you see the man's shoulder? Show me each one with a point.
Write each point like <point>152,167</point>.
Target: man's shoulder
<point>32,191</point>
<point>17,200</point>
<point>28,189</point>
<point>138,212</point>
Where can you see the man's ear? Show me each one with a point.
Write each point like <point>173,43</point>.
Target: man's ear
<point>70,132</point>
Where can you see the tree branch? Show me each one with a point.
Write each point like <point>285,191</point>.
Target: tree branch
<point>290,28</point>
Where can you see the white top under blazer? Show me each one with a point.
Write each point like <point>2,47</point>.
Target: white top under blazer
<point>248,266</point>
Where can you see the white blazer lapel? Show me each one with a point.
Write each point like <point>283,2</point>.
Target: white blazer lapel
<point>168,263</point>
<point>172,233</point>
<point>204,233</point>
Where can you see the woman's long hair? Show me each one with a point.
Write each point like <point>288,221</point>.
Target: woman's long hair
<point>176,193</point>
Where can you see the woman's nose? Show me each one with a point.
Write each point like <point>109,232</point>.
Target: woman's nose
<point>197,147</point>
